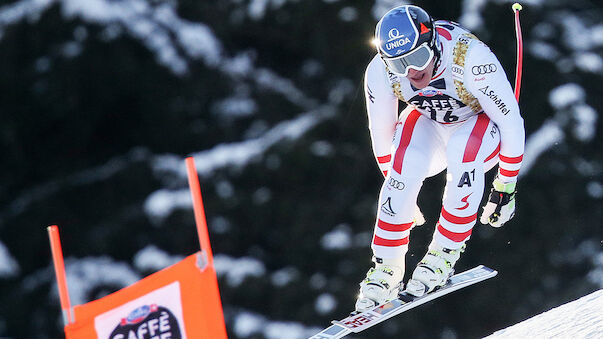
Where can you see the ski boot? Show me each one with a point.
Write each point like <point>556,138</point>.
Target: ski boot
<point>434,270</point>
<point>382,283</point>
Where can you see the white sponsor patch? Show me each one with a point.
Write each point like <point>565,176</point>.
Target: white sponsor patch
<point>157,314</point>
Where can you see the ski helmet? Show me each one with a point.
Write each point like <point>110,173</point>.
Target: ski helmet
<point>406,38</point>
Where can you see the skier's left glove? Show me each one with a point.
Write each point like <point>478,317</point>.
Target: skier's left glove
<point>500,207</point>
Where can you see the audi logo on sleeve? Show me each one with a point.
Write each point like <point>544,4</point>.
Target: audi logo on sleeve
<point>483,69</point>
<point>399,185</point>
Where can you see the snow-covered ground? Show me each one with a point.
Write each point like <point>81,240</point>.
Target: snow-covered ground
<point>582,318</point>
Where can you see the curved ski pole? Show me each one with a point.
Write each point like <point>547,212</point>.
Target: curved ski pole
<point>516,8</point>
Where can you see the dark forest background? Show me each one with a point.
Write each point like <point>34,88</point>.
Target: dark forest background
<point>100,107</point>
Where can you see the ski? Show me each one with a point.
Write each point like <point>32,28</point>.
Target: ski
<point>361,321</point>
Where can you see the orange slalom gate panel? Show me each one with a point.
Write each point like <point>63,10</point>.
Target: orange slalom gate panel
<point>180,301</point>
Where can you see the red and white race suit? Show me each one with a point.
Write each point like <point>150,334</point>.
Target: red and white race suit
<point>467,120</point>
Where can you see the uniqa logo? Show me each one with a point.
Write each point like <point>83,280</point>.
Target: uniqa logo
<point>400,40</point>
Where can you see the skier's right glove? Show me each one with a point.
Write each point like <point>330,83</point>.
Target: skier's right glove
<point>500,207</point>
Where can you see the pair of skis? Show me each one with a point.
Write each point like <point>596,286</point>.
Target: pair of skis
<point>361,321</point>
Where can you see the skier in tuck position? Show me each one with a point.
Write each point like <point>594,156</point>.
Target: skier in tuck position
<point>461,114</point>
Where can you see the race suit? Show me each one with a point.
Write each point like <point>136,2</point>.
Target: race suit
<point>466,120</point>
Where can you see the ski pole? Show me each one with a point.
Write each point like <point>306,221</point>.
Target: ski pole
<point>516,8</point>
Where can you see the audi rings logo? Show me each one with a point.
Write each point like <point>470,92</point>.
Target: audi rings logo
<point>483,69</point>
<point>458,70</point>
<point>399,185</point>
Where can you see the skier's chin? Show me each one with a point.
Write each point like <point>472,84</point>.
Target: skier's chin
<point>419,80</point>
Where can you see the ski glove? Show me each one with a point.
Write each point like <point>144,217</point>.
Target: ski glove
<point>500,207</point>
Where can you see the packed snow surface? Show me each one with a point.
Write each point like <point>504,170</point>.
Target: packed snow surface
<point>582,318</point>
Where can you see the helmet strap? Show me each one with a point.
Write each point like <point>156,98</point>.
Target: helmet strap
<point>438,60</point>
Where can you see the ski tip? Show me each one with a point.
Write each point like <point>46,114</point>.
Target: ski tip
<point>491,272</point>
<point>483,267</point>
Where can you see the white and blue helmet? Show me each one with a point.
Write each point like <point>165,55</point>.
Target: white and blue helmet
<point>406,38</point>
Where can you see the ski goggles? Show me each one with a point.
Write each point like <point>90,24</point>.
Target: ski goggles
<point>417,60</point>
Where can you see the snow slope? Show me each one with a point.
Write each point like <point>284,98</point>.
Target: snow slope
<point>582,318</point>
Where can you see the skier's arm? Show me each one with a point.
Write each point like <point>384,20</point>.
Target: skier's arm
<point>485,78</point>
<point>382,110</point>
